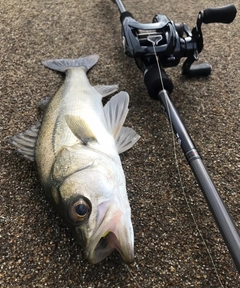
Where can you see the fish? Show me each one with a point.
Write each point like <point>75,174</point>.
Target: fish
<point>76,149</point>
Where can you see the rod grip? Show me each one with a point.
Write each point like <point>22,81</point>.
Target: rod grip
<point>225,14</point>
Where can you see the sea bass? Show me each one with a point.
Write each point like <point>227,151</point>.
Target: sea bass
<point>76,149</point>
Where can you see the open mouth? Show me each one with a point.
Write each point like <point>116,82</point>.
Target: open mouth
<point>107,244</point>
<point>114,232</point>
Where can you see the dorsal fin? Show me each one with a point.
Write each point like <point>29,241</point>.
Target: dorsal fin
<point>26,141</point>
<point>80,128</point>
<point>126,139</point>
<point>115,113</point>
<point>106,90</point>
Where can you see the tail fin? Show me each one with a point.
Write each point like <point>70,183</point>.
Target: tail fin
<point>62,65</point>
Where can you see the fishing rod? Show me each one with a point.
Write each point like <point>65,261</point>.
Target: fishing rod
<point>161,44</point>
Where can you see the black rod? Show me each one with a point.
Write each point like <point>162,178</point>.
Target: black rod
<point>225,223</point>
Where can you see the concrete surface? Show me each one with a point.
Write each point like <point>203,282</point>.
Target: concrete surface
<point>36,248</point>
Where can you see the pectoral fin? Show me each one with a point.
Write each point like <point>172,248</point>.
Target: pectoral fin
<point>80,128</point>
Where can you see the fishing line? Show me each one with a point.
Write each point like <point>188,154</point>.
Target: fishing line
<point>131,274</point>
<point>179,174</point>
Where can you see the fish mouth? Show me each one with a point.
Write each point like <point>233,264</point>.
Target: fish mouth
<point>115,232</point>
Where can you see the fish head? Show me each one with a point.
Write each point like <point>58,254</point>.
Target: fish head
<point>96,207</point>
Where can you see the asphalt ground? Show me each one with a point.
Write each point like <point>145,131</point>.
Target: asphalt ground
<point>36,248</point>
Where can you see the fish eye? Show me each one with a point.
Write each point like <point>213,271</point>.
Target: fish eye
<point>79,210</point>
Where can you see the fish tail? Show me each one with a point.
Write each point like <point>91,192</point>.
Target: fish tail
<point>62,65</point>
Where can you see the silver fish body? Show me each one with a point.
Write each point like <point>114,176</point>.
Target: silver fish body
<point>77,155</point>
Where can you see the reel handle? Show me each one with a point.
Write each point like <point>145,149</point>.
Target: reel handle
<point>198,70</point>
<point>225,14</point>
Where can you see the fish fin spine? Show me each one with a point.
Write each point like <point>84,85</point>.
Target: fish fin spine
<point>126,139</point>
<point>106,90</point>
<point>26,141</point>
<point>116,110</point>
